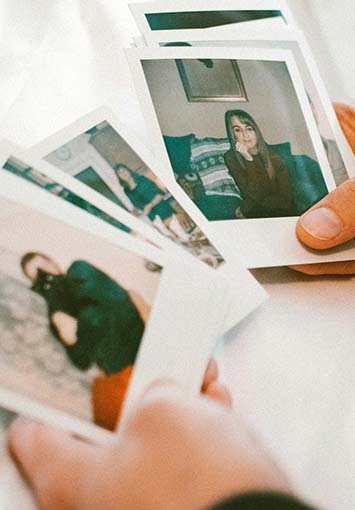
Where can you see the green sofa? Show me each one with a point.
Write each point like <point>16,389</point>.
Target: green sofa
<point>200,170</point>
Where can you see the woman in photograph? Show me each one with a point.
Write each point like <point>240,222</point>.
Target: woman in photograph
<point>146,196</point>
<point>97,322</point>
<point>259,171</point>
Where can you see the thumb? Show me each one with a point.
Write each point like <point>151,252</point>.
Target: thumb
<point>331,221</point>
<point>346,117</point>
<point>52,462</point>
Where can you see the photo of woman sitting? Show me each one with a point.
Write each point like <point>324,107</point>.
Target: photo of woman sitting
<point>98,323</point>
<point>150,200</point>
<point>260,172</point>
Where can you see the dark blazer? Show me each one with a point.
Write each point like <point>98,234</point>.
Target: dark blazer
<point>109,325</point>
<point>261,196</point>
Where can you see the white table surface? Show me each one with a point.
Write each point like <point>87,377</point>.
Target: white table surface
<point>290,364</point>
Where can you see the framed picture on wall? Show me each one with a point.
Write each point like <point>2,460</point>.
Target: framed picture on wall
<point>211,80</point>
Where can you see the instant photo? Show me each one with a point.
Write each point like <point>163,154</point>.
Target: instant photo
<point>79,315</point>
<point>111,140</point>
<point>102,161</point>
<point>339,154</point>
<point>31,174</point>
<point>253,159</point>
<point>204,19</point>
<point>154,18</point>
<point>71,322</point>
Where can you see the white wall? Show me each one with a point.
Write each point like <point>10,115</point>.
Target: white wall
<point>330,29</point>
<point>272,102</point>
<point>84,155</point>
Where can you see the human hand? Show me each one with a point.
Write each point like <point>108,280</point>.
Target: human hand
<point>175,452</point>
<point>147,209</point>
<point>243,151</point>
<point>67,327</point>
<point>329,223</point>
<point>239,214</point>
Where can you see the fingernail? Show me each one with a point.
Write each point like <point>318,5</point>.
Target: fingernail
<point>158,384</point>
<point>322,223</point>
<point>159,387</point>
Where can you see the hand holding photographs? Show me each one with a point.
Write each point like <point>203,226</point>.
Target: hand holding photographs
<point>102,256</point>
<point>80,314</point>
<point>252,203</point>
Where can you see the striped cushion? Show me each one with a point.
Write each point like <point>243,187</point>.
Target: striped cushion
<point>208,162</point>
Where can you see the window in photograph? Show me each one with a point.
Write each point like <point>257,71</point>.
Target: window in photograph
<point>211,80</point>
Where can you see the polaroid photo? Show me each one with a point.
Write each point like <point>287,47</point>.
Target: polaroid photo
<point>13,160</point>
<point>101,165</point>
<point>85,324</point>
<point>253,158</point>
<point>340,156</point>
<point>138,41</point>
<point>158,17</point>
<point>87,157</point>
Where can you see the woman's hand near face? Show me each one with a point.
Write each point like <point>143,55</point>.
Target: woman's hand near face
<point>243,150</point>
<point>175,452</point>
<point>329,223</point>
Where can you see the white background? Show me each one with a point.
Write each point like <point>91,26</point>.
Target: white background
<point>290,365</point>
<point>329,27</point>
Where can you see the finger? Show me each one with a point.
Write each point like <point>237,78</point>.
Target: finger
<point>51,461</point>
<point>160,385</point>
<point>219,393</point>
<point>346,117</point>
<point>331,221</point>
<point>327,268</point>
<point>211,374</point>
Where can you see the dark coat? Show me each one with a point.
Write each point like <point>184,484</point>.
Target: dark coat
<point>109,325</point>
<point>262,197</point>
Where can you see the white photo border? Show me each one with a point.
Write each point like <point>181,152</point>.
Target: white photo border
<point>232,269</point>
<point>301,46</point>
<point>260,242</point>
<point>140,9</point>
<point>170,358</point>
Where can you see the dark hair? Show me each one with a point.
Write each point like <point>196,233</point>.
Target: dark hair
<point>261,146</point>
<point>29,256</point>
<point>123,182</point>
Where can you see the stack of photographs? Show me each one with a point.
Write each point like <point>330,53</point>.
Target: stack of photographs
<point>87,303</point>
<point>240,122</point>
<point>124,263</point>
